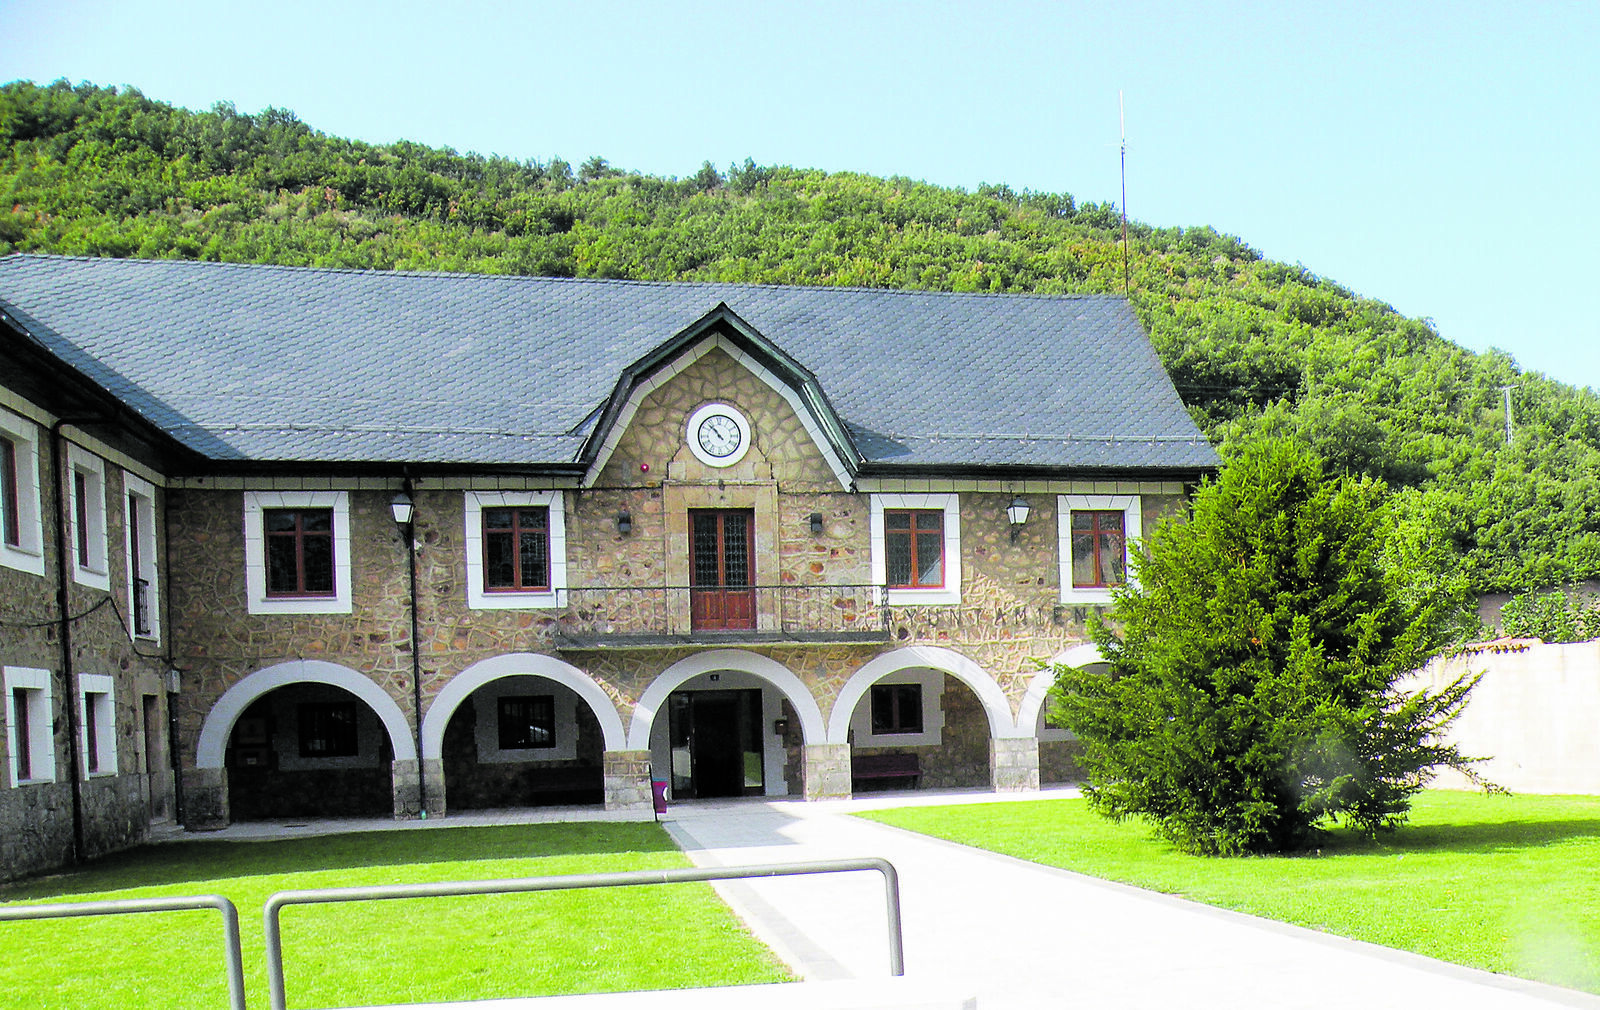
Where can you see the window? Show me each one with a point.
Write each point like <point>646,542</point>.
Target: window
<point>328,729</point>
<point>99,725</point>
<point>21,530</point>
<point>527,722</point>
<point>86,490</point>
<point>10,524</point>
<point>139,522</point>
<point>913,547</point>
<point>900,710</point>
<point>516,549</point>
<point>297,552</point>
<point>1099,554</point>
<point>1093,535</point>
<point>29,740</point>
<point>916,547</point>
<point>896,708</point>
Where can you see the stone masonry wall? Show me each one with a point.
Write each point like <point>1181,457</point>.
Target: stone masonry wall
<point>36,831</point>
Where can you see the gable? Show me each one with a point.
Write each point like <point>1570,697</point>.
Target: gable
<point>652,428</point>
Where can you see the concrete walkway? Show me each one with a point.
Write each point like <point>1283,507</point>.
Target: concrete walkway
<point>1017,935</point>
<point>1020,936</point>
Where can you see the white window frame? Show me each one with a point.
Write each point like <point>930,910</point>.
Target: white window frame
<point>139,494</point>
<point>932,682</point>
<point>255,552</point>
<point>479,598</point>
<point>951,504</point>
<point>95,570</point>
<point>1132,529</point>
<point>28,555</point>
<point>97,692</point>
<point>41,738</point>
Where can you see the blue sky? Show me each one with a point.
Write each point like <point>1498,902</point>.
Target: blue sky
<point>1442,157</point>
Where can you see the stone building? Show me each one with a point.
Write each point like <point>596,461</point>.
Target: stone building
<point>421,542</point>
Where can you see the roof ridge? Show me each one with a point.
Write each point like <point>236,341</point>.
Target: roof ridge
<point>544,278</point>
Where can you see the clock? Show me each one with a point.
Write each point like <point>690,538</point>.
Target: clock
<point>719,434</point>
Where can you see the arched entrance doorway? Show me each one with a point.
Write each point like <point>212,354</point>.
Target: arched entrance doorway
<point>727,723</point>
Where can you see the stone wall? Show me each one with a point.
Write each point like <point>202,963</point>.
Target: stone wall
<point>1058,761</point>
<point>36,832</point>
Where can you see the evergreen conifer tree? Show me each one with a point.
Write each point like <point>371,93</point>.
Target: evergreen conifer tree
<point>1252,692</point>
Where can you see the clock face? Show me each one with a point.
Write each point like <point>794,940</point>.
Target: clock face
<point>719,435</point>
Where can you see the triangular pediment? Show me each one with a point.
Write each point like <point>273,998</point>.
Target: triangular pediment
<point>721,358</point>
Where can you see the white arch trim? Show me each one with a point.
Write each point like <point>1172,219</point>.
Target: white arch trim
<point>519,664</point>
<point>933,657</point>
<point>1039,686</point>
<point>770,670</point>
<point>219,721</point>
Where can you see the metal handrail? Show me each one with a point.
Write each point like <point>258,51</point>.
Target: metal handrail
<point>790,609</point>
<point>274,939</point>
<point>230,924</point>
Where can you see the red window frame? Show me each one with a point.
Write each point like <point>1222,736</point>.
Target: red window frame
<point>299,534</point>
<point>10,497</point>
<point>925,533</point>
<point>538,526</point>
<point>1102,526</point>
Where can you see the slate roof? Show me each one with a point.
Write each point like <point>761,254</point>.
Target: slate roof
<point>268,363</point>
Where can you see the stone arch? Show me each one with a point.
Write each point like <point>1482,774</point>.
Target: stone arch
<point>1041,682</point>
<point>770,670</point>
<point>519,664</point>
<point>213,743</point>
<point>931,657</point>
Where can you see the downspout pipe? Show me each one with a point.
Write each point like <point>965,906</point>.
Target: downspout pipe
<point>410,533</point>
<point>58,466</point>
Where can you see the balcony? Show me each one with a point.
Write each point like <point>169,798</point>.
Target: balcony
<point>633,617</point>
<point>142,626</point>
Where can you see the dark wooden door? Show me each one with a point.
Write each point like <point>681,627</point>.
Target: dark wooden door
<point>722,560</point>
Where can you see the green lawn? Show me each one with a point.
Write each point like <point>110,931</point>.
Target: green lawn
<point>1506,883</point>
<point>609,939</point>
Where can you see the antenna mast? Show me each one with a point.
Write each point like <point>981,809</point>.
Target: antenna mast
<point>1507,391</point>
<point>1122,120</point>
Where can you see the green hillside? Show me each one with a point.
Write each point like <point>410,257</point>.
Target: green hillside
<point>1255,346</point>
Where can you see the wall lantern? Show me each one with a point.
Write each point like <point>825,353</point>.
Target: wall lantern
<point>624,523</point>
<point>816,524</point>
<point>780,727</point>
<point>402,507</point>
<point>1017,512</point>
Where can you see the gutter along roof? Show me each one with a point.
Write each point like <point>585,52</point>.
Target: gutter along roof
<point>268,364</point>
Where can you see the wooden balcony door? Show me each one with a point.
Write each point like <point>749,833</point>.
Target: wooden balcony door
<point>721,563</point>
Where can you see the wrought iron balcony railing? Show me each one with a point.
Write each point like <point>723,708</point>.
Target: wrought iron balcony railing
<point>141,607</point>
<point>602,617</point>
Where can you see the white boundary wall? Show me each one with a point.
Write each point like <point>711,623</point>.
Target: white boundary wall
<point>1535,715</point>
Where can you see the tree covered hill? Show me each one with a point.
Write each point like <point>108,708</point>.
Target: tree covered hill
<point>1255,346</point>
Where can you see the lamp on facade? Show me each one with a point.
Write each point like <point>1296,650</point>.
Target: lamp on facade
<point>1017,512</point>
<point>816,524</point>
<point>402,507</point>
<point>624,523</point>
